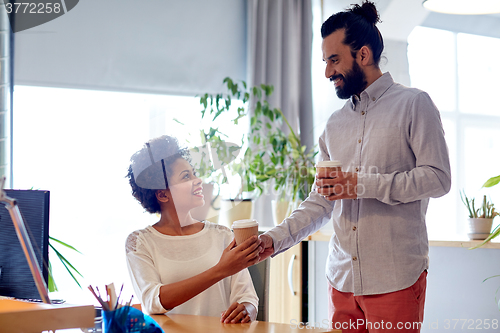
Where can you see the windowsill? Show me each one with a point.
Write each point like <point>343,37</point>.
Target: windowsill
<point>324,236</point>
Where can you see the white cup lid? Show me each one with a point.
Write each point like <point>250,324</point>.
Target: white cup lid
<point>329,164</point>
<point>245,223</point>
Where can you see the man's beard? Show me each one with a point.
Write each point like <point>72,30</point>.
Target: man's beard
<point>354,82</point>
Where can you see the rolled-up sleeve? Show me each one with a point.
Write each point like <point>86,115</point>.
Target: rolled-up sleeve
<point>242,289</point>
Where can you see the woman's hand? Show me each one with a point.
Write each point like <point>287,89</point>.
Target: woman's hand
<point>235,258</point>
<point>239,313</point>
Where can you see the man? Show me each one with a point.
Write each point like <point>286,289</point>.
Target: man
<point>390,141</point>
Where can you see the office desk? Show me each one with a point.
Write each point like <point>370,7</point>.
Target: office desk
<point>26,317</point>
<point>177,323</point>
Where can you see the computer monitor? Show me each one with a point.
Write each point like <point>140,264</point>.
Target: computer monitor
<point>16,279</point>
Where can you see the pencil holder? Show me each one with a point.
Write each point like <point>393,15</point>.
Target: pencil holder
<point>128,320</point>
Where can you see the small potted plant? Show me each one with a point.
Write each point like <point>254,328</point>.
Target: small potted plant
<point>495,232</point>
<point>480,219</point>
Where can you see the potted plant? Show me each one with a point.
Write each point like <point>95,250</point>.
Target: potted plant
<point>282,160</point>
<point>212,157</point>
<point>495,232</point>
<point>221,155</point>
<point>272,159</point>
<point>490,183</point>
<point>480,219</point>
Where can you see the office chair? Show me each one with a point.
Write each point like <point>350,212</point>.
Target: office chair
<point>260,278</point>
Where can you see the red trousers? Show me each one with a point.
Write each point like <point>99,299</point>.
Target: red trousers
<point>399,311</point>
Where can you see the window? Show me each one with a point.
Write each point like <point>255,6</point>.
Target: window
<point>77,144</point>
<point>457,72</point>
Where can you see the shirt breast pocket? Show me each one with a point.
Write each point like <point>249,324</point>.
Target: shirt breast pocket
<point>382,150</point>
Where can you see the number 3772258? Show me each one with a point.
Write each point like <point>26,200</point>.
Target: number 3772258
<point>471,324</point>
<point>33,8</point>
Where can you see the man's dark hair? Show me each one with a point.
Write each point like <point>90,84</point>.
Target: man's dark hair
<point>360,30</point>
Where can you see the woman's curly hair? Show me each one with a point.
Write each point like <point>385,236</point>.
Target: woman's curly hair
<point>153,173</point>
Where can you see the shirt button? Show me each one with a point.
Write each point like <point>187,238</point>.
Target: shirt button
<point>354,228</point>
<point>354,258</point>
<point>357,169</point>
<point>373,99</point>
<point>362,113</point>
<point>359,141</point>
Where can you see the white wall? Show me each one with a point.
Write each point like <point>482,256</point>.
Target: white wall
<point>454,288</point>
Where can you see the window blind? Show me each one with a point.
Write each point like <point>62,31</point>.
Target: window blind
<point>155,46</point>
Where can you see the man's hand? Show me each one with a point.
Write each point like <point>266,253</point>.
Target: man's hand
<point>343,186</point>
<point>267,247</point>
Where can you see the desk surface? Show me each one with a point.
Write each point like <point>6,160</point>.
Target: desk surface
<point>187,323</point>
<point>24,317</point>
<point>324,236</point>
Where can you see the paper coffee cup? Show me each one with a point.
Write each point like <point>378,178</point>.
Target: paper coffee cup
<point>331,168</point>
<point>244,229</point>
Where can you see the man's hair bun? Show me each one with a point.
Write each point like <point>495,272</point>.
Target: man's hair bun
<point>360,24</point>
<point>368,11</point>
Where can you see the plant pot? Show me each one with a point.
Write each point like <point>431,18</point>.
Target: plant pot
<point>282,209</point>
<point>233,210</point>
<point>479,228</point>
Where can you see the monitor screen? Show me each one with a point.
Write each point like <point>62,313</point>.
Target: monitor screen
<point>16,279</point>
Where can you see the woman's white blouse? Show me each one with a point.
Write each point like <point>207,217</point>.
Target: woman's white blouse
<point>155,259</point>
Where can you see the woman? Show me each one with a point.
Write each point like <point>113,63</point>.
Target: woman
<point>179,264</point>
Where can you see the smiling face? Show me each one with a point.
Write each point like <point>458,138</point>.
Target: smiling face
<point>341,67</point>
<point>184,185</point>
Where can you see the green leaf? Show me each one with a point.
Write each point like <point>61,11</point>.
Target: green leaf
<point>241,111</point>
<point>177,121</point>
<point>51,284</point>
<point>253,121</point>
<point>246,97</point>
<point>258,109</point>
<point>257,92</point>
<point>491,277</point>
<point>64,244</point>
<point>492,181</point>
<point>69,267</point>
<point>268,89</point>
<point>65,261</point>
<point>217,114</point>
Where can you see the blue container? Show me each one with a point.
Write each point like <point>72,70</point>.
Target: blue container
<point>128,320</point>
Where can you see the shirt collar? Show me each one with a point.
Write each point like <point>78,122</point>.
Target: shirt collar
<point>375,90</point>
